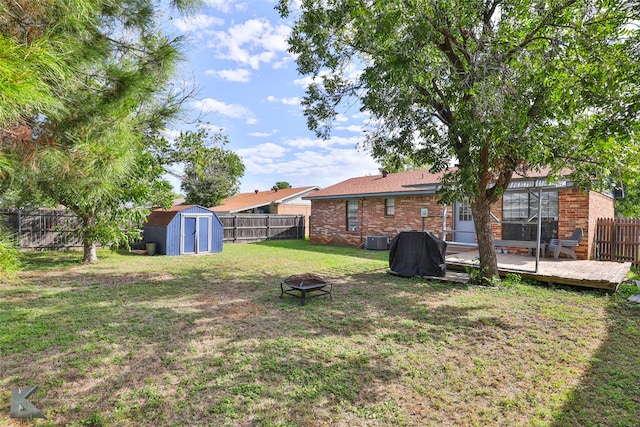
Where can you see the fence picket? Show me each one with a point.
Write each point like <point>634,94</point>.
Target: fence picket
<point>618,240</point>
<point>54,229</point>
<point>258,227</point>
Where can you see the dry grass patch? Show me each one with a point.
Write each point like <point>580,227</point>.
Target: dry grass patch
<point>137,341</point>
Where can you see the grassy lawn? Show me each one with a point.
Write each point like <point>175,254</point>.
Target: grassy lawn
<point>206,340</point>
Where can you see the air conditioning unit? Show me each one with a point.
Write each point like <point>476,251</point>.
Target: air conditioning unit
<point>377,243</point>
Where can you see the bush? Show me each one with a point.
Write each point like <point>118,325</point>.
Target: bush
<point>9,257</point>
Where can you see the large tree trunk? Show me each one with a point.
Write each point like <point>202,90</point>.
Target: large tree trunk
<point>90,253</point>
<point>88,226</point>
<point>486,248</point>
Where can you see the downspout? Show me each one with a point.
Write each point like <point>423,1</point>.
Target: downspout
<point>444,222</point>
<point>539,228</point>
<point>362,224</point>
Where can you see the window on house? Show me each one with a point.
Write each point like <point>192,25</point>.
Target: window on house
<point>464,211</point>
<point>520,216</point>
<point>389,207</point>
<point>352,215</point>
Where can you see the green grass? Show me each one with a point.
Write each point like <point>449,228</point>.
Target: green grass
<point>206,340</point>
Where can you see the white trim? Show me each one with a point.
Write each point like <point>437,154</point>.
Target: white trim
<point>197,217</point>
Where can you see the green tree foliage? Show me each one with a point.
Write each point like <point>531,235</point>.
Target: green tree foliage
<point>100,155</point>
<point>39,42</point>
<point>628,206</point>
<point>211,172</point>
<point>281,185</point>
<point>9,257</point>
<point>496,87</point>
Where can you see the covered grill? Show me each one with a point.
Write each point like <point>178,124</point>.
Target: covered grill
<point>416,253</point>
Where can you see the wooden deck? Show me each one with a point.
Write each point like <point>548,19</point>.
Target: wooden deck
<point>593,274</point>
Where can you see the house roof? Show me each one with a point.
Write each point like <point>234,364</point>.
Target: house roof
<point>256,199</point>
<point>401,183</point>
<point>161,217</point>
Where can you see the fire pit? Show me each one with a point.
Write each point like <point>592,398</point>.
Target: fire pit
<point>305,286</point>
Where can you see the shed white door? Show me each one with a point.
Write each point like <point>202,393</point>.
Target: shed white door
<point>196,234</point>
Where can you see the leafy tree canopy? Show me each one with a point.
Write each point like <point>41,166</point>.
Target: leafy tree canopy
<point>281,185</point>
<point>99,155</point>
<point>212,173</point>
<point>495,87</point>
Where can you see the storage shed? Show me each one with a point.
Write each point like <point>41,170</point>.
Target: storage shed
<point>184,230</point>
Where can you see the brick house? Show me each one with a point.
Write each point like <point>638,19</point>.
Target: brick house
<point>383,205</point>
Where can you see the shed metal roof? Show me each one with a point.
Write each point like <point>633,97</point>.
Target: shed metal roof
<point>161,217</point>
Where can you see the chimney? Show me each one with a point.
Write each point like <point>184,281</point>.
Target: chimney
<point>385,173</point>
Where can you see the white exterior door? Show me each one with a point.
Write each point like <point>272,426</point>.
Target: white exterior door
<point>465,231</point>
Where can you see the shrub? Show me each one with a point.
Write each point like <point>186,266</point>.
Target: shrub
<point>9,257</point>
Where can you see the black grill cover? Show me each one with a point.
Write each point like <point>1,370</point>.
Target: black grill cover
<point>415,253</point>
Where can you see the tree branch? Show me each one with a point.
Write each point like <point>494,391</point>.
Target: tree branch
<point>444,113</point>
<point>532,35</point>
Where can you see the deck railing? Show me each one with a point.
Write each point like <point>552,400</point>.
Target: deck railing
<point>618,240</point>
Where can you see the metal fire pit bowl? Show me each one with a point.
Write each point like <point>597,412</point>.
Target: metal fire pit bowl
<point>305,286</point>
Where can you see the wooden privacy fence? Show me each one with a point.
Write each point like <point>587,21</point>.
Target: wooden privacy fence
<point>54,229</point>
<point>618,240</point>
<point>42,228</point>
<point>258,227</point>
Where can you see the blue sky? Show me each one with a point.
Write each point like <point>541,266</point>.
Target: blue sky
<point>248,87</point>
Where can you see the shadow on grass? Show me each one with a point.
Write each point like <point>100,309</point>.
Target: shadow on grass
<point>50,259</point>
<point>609,393</point>
<point>306,245</point>
<point>208,341</point>
<point>114,349</point>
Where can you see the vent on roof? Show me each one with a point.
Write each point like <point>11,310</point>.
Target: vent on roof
<point>385,173</point>
<point>256,191</point>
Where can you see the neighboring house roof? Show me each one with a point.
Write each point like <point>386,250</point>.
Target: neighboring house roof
<point>256,199</point>
<point>161,217</point>
<point>401,184</point>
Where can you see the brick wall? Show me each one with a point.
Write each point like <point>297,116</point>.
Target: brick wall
<point>573,212</point>
<point>328,218</point>
<point>328,222</point>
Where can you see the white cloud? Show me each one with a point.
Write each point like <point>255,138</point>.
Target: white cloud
<point>291,101</point>
<point>294,100</point>
<point>235,111</point>
<point>238,75</point>
<point>351,128</point>
<point>221,5</point>
<point>197,22</point>
<point>324,143</point>
<point>268,150</point>
<point>309,167</point>
<point>260,134</point>
<point>304,82</point>
<point>170,134</point>
<point>251,43</point>
<point>212,127</point>
<point>261,158</point>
